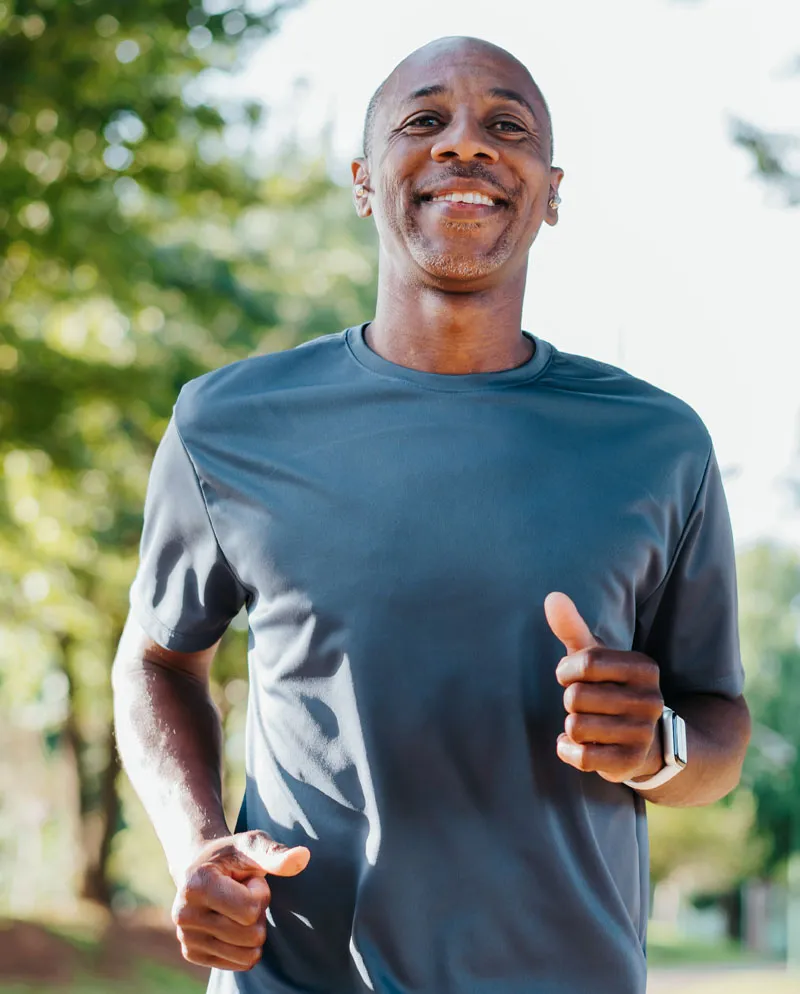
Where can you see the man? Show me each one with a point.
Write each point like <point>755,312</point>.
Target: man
<point>476,570</point>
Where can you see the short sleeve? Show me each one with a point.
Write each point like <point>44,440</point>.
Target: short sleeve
<point>689,625</point>
<point>185,593</point>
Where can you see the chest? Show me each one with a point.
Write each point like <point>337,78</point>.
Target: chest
<point>435,513</point>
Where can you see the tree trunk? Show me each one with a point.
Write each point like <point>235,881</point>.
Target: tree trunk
<point>100,828</point>
<point>98,800</point>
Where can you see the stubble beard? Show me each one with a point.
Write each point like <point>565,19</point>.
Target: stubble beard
<point>457,265</point>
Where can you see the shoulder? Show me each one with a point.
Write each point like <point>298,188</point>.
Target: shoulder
<point>618,397</point>
<point>233,390</point>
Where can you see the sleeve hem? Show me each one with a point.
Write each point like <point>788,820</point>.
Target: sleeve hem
<point>169,638</point>
<point>731,685</point>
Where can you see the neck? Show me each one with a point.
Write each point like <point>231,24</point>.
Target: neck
<point>436,331</point>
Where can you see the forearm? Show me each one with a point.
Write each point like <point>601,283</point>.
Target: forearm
<point>169,738</point>
<point>718,731</point>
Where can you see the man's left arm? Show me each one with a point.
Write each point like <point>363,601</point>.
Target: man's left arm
<point>717,733</point>
<point>686,657</point>
<point>613,705</point>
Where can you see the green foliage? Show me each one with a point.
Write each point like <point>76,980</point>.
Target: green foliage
<point>139,247</point>
<point>708,848</point>
<point>769,579</point>
<point>758,827</point>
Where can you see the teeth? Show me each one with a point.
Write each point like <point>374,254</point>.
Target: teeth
<point>465,198</point>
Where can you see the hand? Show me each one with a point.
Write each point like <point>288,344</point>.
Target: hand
<point>612,699</point>
<point>220,907</point>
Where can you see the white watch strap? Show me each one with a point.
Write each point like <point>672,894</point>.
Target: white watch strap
<point>674,752</point>
<point>656,780</point>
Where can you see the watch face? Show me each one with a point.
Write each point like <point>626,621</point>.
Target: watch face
<point>679,740</point>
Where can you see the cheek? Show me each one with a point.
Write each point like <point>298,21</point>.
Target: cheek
<point>390,207</point>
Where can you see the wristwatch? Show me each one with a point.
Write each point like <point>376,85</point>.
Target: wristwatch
<point>673,742</point>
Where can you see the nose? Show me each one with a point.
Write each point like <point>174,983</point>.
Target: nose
<point>464,138</point>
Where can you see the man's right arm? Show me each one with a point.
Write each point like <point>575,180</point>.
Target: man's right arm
<point>169,737</point>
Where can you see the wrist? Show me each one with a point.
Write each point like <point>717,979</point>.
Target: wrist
<point>182,853</point>
<point>654,762</point>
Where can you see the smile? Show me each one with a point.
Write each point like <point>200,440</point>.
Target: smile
<point>464,198</point>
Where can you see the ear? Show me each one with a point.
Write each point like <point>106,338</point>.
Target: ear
<point>361,178</point>
<point>556,175</point>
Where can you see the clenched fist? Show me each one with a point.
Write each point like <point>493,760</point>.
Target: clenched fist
<point>221,903</point>
<point>612,699</point>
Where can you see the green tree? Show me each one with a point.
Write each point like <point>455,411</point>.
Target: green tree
<point>136,251</point>
<point>769,578</point>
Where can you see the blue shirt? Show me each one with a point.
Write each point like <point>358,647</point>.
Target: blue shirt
<point>393,534</point>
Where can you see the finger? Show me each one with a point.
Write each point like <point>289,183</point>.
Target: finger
<point>271,856</point>
<point>600,665</point>
<point>210,887</point>
<point>566,623</point>
<point>613,698</point>
<point>208,922</point>
<point>607,730</point>
<point>611,761</point>
<point>201,958</point>
<point>196,946</point>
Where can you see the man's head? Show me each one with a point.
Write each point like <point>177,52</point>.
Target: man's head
<point>457,117</point>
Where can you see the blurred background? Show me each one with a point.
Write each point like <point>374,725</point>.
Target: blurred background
<point>174,195</point>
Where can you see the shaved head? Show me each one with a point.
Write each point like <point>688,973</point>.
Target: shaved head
<point>434,47</point>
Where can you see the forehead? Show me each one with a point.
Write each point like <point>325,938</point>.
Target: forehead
<point>462,68</point>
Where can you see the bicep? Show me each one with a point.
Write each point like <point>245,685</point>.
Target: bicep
<point>137,648</point>
<point>723,719</point>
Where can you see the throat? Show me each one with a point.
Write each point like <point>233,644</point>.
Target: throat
<point>451,354</point>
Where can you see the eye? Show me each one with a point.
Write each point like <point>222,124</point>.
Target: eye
<point>505,125</point>
<point>423,121</point>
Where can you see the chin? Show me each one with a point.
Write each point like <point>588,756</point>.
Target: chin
<point>457,266</point>
<point>460,262</point>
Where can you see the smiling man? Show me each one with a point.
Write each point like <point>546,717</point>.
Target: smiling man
<point>491,597</point>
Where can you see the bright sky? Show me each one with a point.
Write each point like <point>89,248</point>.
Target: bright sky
<point>670,259</point>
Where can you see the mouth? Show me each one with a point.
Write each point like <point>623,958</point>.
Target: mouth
<point>469,205</point>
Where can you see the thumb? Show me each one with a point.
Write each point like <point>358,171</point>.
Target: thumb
<point>566,623</point>
<point>271,856</point>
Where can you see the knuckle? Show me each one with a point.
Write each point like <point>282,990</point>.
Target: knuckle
<point>582,758</point>
<point>651,673</point>
<point>253,912</point>
<point>584,663</point>
<point>195,886</point>
<point>180,911</point>
<point>575,727</point>
<point>592,658</point>
<point>642,735</point>
<point>572,696</point>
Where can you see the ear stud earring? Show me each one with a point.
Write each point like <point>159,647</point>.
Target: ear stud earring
<point>359,190</point>
<point>555,200</point>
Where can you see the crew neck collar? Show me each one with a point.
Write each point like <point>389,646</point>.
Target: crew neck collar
<point>447,382</point>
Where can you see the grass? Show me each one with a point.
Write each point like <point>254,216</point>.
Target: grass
<point>150,978</point>
<point>676,967</point>
<point>685,953</point>
<point>84,934</point>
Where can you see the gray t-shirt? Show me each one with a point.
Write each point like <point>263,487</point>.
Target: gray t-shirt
<point>393,535</point>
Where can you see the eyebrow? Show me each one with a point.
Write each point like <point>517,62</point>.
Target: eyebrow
<point>499,92</point>
<point>517,98</point>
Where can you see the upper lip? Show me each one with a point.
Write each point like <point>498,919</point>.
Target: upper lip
<point>464,186</point>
